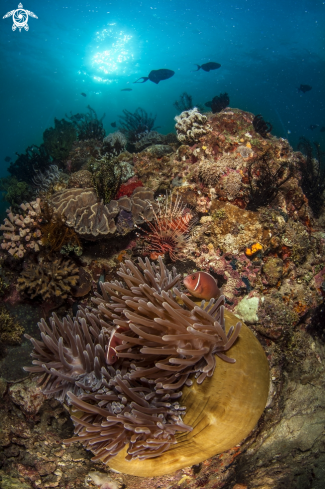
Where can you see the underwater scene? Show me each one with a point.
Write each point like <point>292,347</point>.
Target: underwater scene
<point>162,244</point>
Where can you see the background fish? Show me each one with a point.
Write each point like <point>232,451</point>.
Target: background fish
<point>126,90</point>
<point>202,285</point>
<point>211,65</point>
<point>7,159</point>
<point>156,76</point>
<point>304,88</point>
<point>83,94</point>
<point>113,124</point>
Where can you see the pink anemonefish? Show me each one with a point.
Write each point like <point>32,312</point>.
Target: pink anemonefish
<point>111,355</point>
<point>202,285</point>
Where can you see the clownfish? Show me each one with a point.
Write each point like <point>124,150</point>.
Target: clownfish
<point>202,285</point>
<point>111,355</point>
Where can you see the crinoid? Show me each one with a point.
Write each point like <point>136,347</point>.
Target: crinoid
<point>56,235</point>
<point>261,127</point>
<point>170,229</point>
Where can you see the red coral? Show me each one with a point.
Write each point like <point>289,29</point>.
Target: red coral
<point>128,188</point>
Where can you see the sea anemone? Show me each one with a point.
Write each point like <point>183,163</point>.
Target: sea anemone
<point>127,406</point>
<point>169,230</point>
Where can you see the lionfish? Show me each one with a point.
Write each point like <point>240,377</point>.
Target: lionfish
<point>170,228</point>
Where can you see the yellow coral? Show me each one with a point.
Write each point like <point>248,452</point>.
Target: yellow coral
<point>248,145</point>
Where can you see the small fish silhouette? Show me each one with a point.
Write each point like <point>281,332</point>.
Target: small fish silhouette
<point>7,159</point>
<point>126,90</point>
<point>313,126</point>
<point>113,124</point>
<point>211,65</point>
<point>83,94</point>
<point>304,88</point>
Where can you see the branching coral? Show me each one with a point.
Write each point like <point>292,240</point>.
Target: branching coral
<point>22,231</point>
<point>191,125</point>
<point>132,399</point>
<point>170,229</point>
<point>58,140</point>
<point>313,174</point>
<point>49,279</point>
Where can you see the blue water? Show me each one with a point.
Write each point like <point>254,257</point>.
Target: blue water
<point>266,50</point>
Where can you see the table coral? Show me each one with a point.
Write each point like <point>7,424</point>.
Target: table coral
<point>49,279</point>
<point>22,231</point>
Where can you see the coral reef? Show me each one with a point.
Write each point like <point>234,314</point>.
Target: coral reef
<point>80,179</point>
<point>88,126</point>
<point>128,188</point>
<point>92,219</point>
<point>49,279</point>
<point>10,330</point>
<point>170,229</point>
<point>35,158</point>
<point>44,180</point>
<point>58,140</point>
<point>313,175</point>
<point>21,232</point>
<point>184,102</point>
<point>114,144</point>
<point>56,235</point>
<point>263,182</point>
<point>191,125</point>
<point>149,139</point>
<point>129,395</point>
<point>106,176</point>
<point>136,125</point>
<point>15,192</point>
<point>218,103</point>
<point>261,127</point>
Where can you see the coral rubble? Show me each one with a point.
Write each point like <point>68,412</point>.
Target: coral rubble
<point>49,279</point>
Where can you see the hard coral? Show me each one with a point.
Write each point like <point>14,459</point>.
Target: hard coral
<point>22,231</point>
<point>191,125</point>
<point>114,144</point>
<point>49,279</point>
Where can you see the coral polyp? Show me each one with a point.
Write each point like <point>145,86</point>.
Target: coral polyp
<point>170,229</point>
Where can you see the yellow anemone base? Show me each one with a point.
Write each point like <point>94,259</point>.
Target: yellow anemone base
<point>222,411</point>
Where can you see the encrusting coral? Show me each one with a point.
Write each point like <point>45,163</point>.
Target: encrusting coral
<point>22,231</point>
<point>124,363</point>
<point>191,125</point>
<point>49,279</point>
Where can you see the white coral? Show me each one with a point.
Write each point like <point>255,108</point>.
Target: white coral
<point>191,125</point>
<point>17,237</point>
